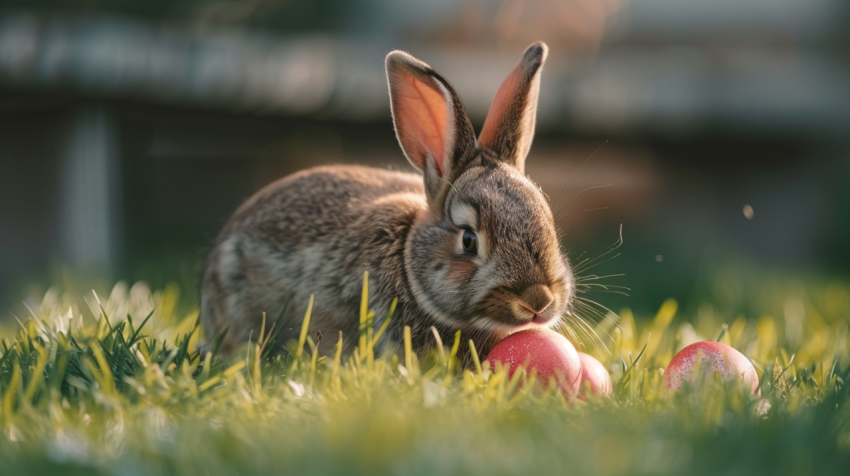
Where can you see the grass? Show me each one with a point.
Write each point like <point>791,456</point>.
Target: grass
<point>114,386</point>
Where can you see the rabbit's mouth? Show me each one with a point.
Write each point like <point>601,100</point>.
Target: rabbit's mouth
<point>524,316</point>
<point>542,319</point>
<point>498,329</point>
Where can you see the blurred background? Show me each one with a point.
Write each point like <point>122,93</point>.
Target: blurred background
<point>130,130</point>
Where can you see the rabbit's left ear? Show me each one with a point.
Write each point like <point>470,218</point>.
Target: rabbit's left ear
<point>430,122</point>
<point>509,127</point>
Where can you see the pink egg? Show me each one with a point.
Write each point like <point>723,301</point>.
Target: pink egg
<point>596,374</point>
<point>548,353</point>
<point>712,357</point>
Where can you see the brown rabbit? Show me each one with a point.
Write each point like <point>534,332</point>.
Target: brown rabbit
<point>467,244</point>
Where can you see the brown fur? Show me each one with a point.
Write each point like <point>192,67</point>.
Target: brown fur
<point>317,231</point>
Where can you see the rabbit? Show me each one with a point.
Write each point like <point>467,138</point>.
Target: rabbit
<point>468,243</point>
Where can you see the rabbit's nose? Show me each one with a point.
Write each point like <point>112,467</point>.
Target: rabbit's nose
<point>537,298</point>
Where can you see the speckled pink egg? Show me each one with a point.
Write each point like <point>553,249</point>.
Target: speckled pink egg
<point>550,354</point>
<point>596,374</point>
<point>712,357</point>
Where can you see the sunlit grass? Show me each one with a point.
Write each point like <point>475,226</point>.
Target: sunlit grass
<point>115,385</point>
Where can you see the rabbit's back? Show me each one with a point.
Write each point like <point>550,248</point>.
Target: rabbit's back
<point>313,232</point>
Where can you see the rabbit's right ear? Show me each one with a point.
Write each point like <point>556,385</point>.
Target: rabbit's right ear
<point>430,122</point>
<point>509,126</point>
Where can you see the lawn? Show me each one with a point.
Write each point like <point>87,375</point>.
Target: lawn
<point>113,385</point>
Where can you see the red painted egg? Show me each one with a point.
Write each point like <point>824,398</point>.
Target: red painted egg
<point>596,374</point>
<point>550,354</point>
<point>712,357</point>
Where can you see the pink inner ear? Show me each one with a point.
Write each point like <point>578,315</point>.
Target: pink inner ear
<point>422,114</point>
<point>507,92</point>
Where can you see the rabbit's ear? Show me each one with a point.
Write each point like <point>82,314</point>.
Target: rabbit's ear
<point>430,122</point>
<point>509,127</point>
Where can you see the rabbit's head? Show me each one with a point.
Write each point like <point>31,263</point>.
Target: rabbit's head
<point>486,256</point>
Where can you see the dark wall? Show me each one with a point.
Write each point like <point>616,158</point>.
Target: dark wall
<point>31,142</point>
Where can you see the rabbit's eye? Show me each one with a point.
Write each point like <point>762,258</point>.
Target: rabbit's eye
<point>469,242</point>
